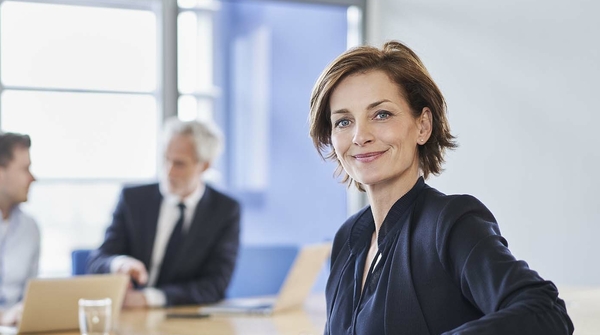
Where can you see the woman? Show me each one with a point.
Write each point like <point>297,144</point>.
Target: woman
<point>416,261</point>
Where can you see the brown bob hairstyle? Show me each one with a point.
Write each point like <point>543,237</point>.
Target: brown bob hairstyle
<point>404,68</point>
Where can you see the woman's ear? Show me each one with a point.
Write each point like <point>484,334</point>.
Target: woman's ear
<point>424,125</point>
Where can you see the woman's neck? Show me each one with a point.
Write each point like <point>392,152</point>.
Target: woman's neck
<point>383,197</point>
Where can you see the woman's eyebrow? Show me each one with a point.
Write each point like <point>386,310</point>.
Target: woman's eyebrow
<point>377,103</point>
<point>370,106</point>
<point>340,111</point>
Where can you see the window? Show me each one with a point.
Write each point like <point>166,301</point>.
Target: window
<point>195,66</point>
<point>197,91</point>
<point>82,82</point>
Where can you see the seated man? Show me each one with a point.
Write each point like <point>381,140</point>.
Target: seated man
<point>178,240</point>
<point>19,233</point>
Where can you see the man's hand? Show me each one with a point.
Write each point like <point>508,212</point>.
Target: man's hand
<point>134,299</point>
<point>135,269</point>
<point>12,316</point>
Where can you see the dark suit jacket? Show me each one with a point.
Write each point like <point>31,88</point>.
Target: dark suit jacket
<point>444,269</point>
<point>205,260</point>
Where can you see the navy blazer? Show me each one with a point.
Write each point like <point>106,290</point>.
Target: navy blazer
<point>444,269</point>
<point>206,259</point>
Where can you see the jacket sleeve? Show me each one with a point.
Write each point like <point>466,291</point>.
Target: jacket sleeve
<point>514,298</point>
<point>214,276</point>
<point>115,240</point>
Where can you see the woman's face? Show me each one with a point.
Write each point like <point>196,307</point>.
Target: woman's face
<point>374,133</point>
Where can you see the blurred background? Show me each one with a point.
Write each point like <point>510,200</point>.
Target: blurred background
<point>92,81</point>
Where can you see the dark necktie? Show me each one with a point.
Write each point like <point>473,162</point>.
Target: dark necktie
<point>175,240</point>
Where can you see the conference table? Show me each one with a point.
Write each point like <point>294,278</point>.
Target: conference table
<point>583,305</point>
<point>308,320</point>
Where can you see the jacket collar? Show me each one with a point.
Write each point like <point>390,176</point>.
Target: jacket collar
<point>364,225</point>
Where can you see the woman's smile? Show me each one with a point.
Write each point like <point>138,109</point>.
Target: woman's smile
<point>368,157</point>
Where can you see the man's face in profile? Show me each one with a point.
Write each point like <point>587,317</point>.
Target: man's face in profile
<point>183,171</point>
<point>15,177</point>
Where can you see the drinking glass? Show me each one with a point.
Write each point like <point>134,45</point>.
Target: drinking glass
<point>95,316</point>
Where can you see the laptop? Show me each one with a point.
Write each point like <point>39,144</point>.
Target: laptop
<point>293,293</point>
<point>52,304</point>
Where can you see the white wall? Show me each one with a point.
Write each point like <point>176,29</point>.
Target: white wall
<point>521,78</point>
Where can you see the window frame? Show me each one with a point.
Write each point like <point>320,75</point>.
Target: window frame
<point>165,64</point>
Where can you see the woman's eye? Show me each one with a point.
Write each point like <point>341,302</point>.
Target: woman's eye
<point>342,123</point>
<point>382,115</point>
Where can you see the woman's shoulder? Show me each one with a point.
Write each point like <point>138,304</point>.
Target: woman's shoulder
<point>439,212</point>
<point>461,218</point>
<point>437,203</point>
<point>347,226</point>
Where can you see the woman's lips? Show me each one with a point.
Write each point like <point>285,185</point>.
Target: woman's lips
<point>368,157</point>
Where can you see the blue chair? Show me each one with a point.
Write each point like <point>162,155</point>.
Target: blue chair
<point>78,261</point>
<point>260,270</point>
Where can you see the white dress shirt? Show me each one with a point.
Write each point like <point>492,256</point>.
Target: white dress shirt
<point>19,255</point>
<point>167,219</point>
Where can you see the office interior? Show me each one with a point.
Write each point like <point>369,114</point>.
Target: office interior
<point>92,81</point>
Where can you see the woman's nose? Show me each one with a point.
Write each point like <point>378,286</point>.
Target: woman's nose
<point>363,134</point>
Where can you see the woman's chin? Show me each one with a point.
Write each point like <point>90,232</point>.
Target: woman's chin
<point>369,180</point>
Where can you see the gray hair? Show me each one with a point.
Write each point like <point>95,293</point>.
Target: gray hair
<point>208,138</point>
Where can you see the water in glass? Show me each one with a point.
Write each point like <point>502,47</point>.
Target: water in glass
<point>95,316</point>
